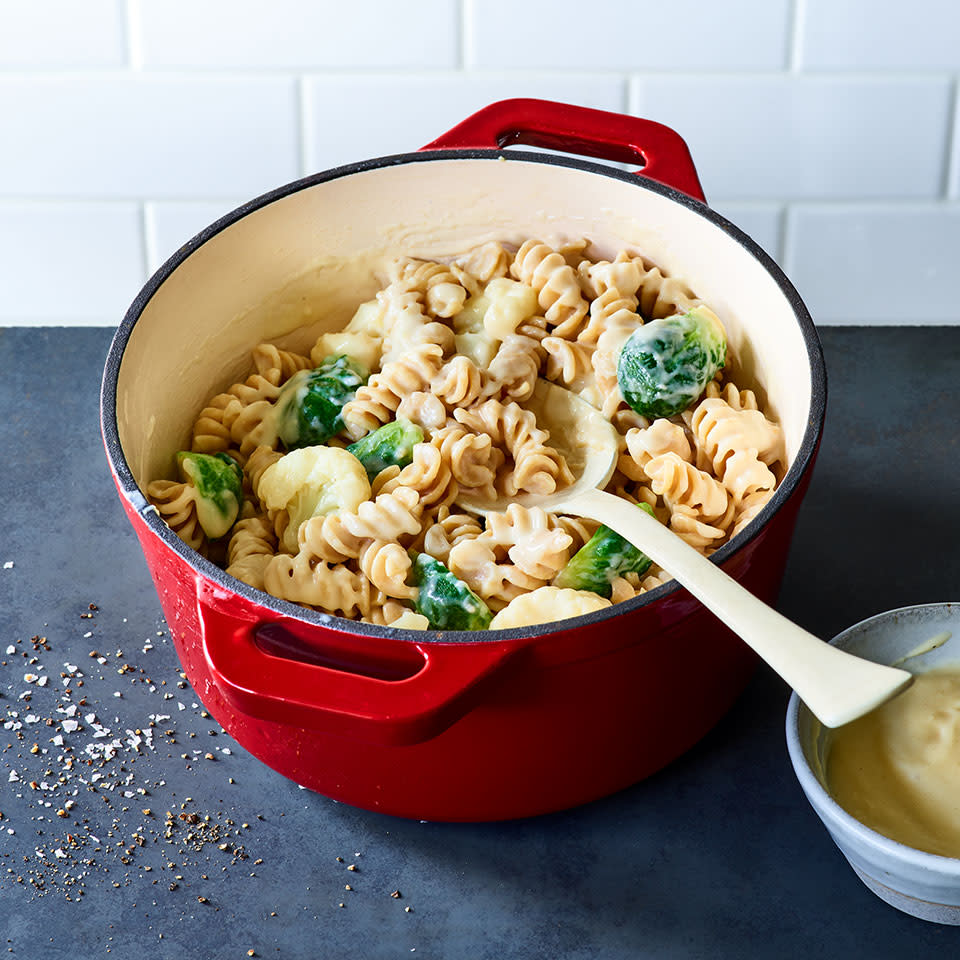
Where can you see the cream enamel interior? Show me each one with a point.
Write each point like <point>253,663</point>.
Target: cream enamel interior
<point>300,265</point>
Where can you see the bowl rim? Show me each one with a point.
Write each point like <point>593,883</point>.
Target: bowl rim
<point>821,800</point>
<point>132,493</point>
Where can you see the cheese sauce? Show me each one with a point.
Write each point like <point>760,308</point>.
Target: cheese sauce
<point>897,769</point>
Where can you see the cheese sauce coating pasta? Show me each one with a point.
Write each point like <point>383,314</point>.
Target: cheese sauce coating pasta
<point>421,398</point>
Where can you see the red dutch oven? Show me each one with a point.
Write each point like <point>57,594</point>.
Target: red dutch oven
<point>453,726</point>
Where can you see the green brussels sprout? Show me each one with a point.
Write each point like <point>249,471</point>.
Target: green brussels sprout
<point>218,480</point>
<point>446,601</point>
<point>309,405</point>
<point>392,444</point>
<point>604,556</point>
<point>665,365</point>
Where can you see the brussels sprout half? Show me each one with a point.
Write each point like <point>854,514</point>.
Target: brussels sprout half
<point>218,480</point>
<point>309,405</point>
<point>666,364</point>
<point>446,601</point>
<point>392,444</point>
<point>604,556</point>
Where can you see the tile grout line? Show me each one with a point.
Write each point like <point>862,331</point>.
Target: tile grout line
<point>148,230</point>
<point>795,38</point>
<point>843,204</point>
<point>463,12</point>
<point>132,27</point>
<point>302,104</point>
<point>233,73</point>
<point>952,142</point>
<point>783,237</point>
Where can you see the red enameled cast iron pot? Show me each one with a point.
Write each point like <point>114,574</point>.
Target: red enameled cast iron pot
<point>453,726</point>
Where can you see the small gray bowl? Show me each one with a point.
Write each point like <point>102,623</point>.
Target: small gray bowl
<point>922,884</point>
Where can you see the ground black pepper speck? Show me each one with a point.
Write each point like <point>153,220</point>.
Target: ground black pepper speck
<point>70,784</point>
<point>86,769</point>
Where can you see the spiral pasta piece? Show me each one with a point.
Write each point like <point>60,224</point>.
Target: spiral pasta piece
<point>341,536</point>
<point>443,530</point>
<point>423,408</point>
<point>229,417</point>
<point>386,565</point>
<point>595,277</point>
<point>459,382</point>
<point>732,395</point>
<point>537,467</point>
<point>270,361</point>
<point>686,523</point>
<point>611,310</point>
<point>654,577</point>
<point>407,325</point>
<point>515,368</point>
<point>257,464</point>
<point>625,588</point>
<point>475,562</point>
<point>429,474</point>
<point>748,507</point>
<point>625,419</point>
<point>660,295</point>
<point>331,587</point>
<point>442,291</point>
<point>720,431</point>
<point>532,541</point>
<point>568,362</point>
<point>486,262</point>
<point>579,529</point>
<point>177,505</point>
<point>745,474</point>
<point>473,458</point>
<point>558,291</point>
<point>643,444</point>
<point>252,545</point>
<point>376,402</point>
<point>680,483</point>
<point>234,420</point>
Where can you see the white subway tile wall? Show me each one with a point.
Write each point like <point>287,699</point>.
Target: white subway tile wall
<point>825,129</point>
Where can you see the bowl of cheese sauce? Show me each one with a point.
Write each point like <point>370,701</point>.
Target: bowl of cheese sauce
<point>887,786</point>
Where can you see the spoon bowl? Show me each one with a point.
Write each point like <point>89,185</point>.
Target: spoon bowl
<point>836,686</point>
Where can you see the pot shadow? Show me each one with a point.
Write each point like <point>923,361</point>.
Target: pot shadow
<point>717,855</point>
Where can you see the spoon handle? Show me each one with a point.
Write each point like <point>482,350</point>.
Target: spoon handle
<point>836,686</point>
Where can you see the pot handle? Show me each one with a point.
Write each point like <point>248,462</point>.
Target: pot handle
<point>378,689</point>
<point>662,152</point>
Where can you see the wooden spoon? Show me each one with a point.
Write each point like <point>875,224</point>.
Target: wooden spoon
<point>836,686</point>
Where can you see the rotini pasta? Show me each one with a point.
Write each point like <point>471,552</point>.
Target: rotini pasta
<point>450,353</point>
<point>555,282</point>
<point>177,505</point>
<point>537,467</point>
<point>377,401</point>
<point>443,530</point>
<point>252,544</point>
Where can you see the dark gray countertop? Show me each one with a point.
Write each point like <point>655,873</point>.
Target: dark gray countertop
<point>717,856</point>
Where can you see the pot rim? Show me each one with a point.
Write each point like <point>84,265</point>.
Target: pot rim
<point>150,516</point>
